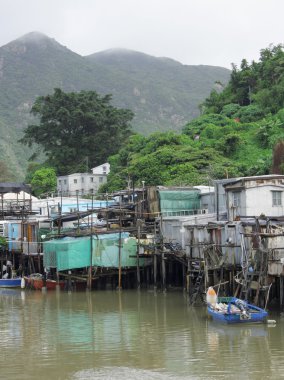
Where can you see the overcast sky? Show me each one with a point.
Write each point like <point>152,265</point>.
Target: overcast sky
<point>209,32</point>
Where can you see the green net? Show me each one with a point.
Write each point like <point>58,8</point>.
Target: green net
<point>178,201</point>
<point>72,253</point>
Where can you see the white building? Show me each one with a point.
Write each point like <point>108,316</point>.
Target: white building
<point>83,183</point>
<point>255,196</point>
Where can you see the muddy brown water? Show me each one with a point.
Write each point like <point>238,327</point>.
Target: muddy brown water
<point>129,335</point>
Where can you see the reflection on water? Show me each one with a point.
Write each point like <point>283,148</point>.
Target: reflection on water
<point>129,334</point>
<point>123,373</point>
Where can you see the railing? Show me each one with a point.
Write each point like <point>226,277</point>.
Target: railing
<point>184,212</point>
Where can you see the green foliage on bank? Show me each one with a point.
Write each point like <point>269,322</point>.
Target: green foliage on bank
<point>235,135</point>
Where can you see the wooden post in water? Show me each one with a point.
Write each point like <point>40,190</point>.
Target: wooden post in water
<point>170,273</point>
<point>137,253</point>
<point>43,289</point>
<point>155,271</point>
<point>184,277</point>
<point>119,261</point>
<point>188,276</point>
<point>163,257</point>
<point>57,280</point>
<point>281,291</point>
<point>69,282</point>
<point>155,257</point>
<point>163,272</point>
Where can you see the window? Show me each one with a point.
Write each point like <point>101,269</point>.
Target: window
<point>65,181</point>
<point>75,180</point>
<point>101,179</point>
<point>91,179</point>
<point>104,169</point>
<point>59,182</point>
<point>82,179</point>
<point>276,198</point>
<point>237,199</point>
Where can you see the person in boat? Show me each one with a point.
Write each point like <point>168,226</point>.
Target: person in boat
<point>8,269</point>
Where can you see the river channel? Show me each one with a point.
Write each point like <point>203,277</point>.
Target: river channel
<point>129,335</point>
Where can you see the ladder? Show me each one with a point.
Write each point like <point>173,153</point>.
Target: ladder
<point>197,290</point>
<point>246,284</point>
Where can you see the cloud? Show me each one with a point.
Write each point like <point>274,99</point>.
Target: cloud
<point>215,32</point>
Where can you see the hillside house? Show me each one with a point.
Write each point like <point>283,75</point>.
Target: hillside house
<point>255,196</point>
<point>83,183</point>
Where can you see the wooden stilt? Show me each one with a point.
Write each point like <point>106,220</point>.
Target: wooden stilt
<point>69,283</point>
<point>184,277</point>
<point>138,251</point>
<point>281,291</point>
<point>57,281</point>
<point>155,271</point>
<point>163,264</point>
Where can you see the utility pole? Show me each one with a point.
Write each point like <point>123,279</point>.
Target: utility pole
<point>143,198</point>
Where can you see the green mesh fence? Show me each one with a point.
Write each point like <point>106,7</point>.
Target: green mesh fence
<point>179,201</point>
<point>72,253</point>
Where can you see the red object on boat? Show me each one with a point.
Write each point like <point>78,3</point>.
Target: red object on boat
<point>35,281</point>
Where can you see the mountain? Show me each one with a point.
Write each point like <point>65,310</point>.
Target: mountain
<point>163,93</point>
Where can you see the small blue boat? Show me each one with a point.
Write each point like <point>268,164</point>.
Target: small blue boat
<point>234,310</point>
<point>10,282</point>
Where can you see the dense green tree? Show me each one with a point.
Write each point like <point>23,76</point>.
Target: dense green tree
<point>32,168</point>
<point>73,126</point>
<point>259,83</point>
<point>229,143</point>
<point>250,113</point>
<point>43,181</point>
<point>231,110</point>
<point>168,159</point>
<point>196,126</point>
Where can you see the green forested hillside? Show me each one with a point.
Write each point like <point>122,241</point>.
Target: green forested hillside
<point>236,135</point>
<point>162,93</point>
